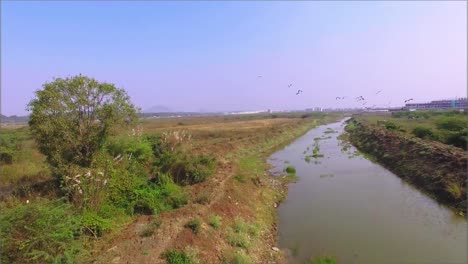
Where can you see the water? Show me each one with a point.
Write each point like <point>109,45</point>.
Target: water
<point>358,212</point>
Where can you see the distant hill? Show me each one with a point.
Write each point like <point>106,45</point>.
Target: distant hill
<point>13,119</point>
<point>157,109</point>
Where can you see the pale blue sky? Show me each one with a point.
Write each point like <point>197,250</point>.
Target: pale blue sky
<point>192,56</point>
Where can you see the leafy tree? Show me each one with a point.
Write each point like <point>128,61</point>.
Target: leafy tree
<point>71,119</point>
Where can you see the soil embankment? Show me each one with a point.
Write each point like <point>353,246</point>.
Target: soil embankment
<point>439,170</point>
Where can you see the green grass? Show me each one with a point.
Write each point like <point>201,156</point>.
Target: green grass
<point>238,240</point>
<point>215,221</point>
<point>323,260</point>
<point>178,257</point>
<point>203,198</point>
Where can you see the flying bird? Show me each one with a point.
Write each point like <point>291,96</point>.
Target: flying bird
<point>298,92</point>
<point>259,76</point>
<point>289,85</point>
<point>411,99</point>
<point>378,92</point>
<point>359,98</point>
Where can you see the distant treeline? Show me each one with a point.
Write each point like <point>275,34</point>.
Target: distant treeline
<point>13,119</point>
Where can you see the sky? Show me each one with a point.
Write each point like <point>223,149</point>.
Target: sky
<point>207,56</point>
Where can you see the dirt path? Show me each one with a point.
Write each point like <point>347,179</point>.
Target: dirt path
<point>130,247</point>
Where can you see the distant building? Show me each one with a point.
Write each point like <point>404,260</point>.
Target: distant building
<point>459,103</point>
<point>314,109</point>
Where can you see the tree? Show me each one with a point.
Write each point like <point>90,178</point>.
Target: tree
<point>71,119</point>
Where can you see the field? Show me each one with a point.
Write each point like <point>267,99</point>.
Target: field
<point>224,212</point>
<point>448,127</point>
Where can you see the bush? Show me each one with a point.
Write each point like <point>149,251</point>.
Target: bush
<point>93,224</point>
<point>151,228</point>
<point>391,126</point>
<point>238,240</point>
<point>323,260</point>
<point>423,132</point>
<point>451,123</point>
<point>194,225</point>
<point>190,170</point>
<point>458,139</point>
<point>39,232</point>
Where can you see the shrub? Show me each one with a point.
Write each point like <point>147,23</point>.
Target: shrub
<point>215,221</point>
<point>423,132</point>
<point>240,177</point>
<point>458,139</point>
<point>451,123</point>
<point>194,225</point>
<point>391,125</point>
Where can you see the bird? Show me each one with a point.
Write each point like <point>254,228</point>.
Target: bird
<point>289,85</point>
<point>378,92</point>
<point>359,98</point>
<point>364,103</point>
<point>259,76</point>
<point>411,99</point>
<point>298,92</point>
<point>337,98</point>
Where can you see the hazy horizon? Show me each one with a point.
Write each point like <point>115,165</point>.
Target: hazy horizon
<point>208,56</point>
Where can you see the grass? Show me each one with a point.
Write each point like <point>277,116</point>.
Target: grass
<point>151,228</point>
<point>238,240</point>
<point>178,257</point>
<point>323,260</point>
<point>215,221</point>
<point>203,198</point>
<point>194,225</point>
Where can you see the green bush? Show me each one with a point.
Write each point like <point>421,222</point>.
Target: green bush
<point>93,224</point>
<point>423,132</point>
<point>323,260</point>
<point>39,232</point>
<point>194,225</point>
<point>391,126</point>
<point>452,123</point>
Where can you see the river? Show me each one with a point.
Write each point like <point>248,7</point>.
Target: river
<point>344,205</point>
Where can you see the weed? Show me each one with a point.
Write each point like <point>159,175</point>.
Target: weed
<point>151,228</point>
<point>238,240</point>
<point>240,177</point>
<point>323,260</point>
<point>455,190</point>
<point>203,198</point>
<point>177,257</point>
<point>194,225</point>
<point>215,221</point>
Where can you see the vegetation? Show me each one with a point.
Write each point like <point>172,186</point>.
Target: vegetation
<point>215,221</point>
<point>290,169</point>
<point>178,257</point>
<point>448,127</point>
<point>194,225</point>
<point>323,260</point>
<point>131,172</point>
<point>72,118</point>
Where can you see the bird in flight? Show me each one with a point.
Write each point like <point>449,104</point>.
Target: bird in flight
<point>298,92</point>
<point>378,92</point>
<point>359,98</point>
<point>259,76</point>
<point>289,85</point>
<point>411,99</point>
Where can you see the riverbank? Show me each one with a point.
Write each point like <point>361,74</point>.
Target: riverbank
<point>234,211</point>
<point>437,169</point>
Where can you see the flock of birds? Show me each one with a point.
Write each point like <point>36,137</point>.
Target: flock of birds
<point>358,99</point>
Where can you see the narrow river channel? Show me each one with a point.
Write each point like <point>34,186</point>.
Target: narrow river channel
<point>345,206</point>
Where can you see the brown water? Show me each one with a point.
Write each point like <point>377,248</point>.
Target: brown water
<point>358,212</point>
